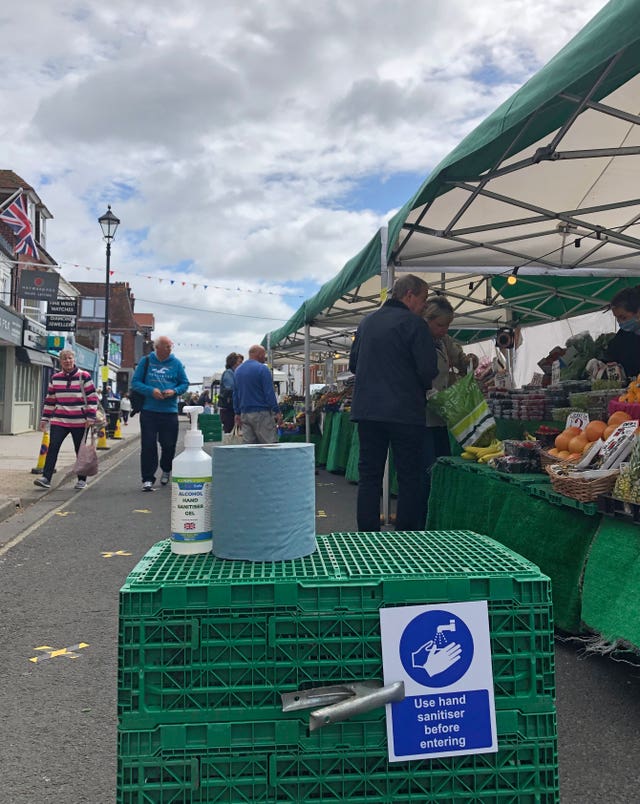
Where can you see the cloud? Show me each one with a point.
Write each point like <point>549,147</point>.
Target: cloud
<point>233,140</point>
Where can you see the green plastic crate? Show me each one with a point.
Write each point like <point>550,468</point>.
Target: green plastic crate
<point>367,730</point>
<point>547,493</point>
<point>521,772</point>
<point>230,637</point>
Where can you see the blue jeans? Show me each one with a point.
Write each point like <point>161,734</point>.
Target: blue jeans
<point>408,444</point>
<point>157,428</point>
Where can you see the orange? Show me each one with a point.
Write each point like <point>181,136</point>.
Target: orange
<point>555,451</point>
<point>562,440</point>
<point>574,431</point>
<point>574,456</point>
<point>578,443</point>
<point>563,454</point>
<point>618,417</point>
<point>610,429</point>
<point>595,429</point>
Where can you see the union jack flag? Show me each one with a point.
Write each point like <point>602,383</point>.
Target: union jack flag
<point>16,215</point>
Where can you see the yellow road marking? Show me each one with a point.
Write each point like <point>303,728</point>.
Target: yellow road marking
<point>111,554</point>
<point>321,514</point>
<point>52,653</point>
<point>141,511</point>
<point>64,513</point>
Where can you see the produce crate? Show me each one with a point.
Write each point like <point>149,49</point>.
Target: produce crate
<point>547,492</point>
<point>210,635</point>
<point>207,647</point>
<point>525,769</point>
<point>293,734</point>
<point>612,506</point>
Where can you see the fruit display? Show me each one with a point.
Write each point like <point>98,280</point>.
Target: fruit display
<point>571,443</point>
<point>632,393</point>
<point>627,485</point>
<point>484,454</point>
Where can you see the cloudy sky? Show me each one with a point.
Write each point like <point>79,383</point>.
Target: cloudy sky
<point>250,147</point>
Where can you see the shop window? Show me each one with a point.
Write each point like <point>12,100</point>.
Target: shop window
<point>26,383</point>
<point>3,369</point>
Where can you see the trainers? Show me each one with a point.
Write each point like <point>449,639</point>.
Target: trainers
<point>43,482</point>
<point>80,484</point>
<point>165,478</point>
<point>147,485</point>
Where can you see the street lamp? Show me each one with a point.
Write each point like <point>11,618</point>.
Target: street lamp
<point>108,223</point>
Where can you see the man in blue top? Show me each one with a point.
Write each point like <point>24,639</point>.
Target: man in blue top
<point>254,400</point>
<point>164,382</point>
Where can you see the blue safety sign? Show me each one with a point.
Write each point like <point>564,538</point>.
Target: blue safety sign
<point>442,652</point>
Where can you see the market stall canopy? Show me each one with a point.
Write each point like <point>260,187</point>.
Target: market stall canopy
<point>546,188</point>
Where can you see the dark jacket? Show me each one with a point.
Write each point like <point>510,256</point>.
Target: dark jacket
<point>624,348</point>
<point>394,359</point>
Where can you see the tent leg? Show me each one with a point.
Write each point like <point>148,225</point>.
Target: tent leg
<point>307,375</point>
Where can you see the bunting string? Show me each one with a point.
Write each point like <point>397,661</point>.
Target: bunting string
<point>166,280</point>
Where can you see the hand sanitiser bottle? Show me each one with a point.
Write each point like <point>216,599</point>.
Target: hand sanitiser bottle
<point>191,493</point>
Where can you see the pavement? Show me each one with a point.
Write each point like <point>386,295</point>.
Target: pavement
<point>19,455</point>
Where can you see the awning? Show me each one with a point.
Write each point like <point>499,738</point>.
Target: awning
<point>544,190</point>
<point>33,356</point>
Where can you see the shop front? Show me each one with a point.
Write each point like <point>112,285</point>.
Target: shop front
<point>10,340</point>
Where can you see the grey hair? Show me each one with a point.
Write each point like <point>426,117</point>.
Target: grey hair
<point>66,352</point>
<point>409,283</point>
<point>438,307</point>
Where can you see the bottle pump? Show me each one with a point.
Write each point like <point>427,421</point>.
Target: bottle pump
<point>191,493</point>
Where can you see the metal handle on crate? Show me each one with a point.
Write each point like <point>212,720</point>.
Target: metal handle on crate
<point>341,701</point>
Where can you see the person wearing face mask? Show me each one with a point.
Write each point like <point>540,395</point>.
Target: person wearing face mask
<point>624,347</point>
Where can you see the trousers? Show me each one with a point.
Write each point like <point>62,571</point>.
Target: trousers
<point>57,434</point>
<point>157,428</point>
<point>408,444</point>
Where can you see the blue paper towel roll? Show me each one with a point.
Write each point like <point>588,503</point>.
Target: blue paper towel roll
<point>264,501</point>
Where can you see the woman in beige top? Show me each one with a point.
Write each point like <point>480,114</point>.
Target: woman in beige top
<point>452,364</point>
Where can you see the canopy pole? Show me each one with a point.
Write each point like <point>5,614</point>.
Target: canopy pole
<point>307,375</point>
<point>387,278</point>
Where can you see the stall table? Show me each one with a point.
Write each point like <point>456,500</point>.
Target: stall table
<point>593,560</point>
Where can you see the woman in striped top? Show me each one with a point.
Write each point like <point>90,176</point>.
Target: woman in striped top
<point>70,407</point>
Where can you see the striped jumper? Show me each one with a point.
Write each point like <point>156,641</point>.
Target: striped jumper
<point>64,404</point>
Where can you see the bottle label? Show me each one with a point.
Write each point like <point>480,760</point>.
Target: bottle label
<point>191,509</point>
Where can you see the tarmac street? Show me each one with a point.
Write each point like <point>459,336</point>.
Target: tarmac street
<point>63,560</point>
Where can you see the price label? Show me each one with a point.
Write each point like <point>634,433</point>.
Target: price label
<point>578,418</point>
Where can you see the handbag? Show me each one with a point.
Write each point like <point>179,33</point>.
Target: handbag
<point>137,399</point>
<point>234,437</point>
<point>101,417</point>
<point>87,458</point>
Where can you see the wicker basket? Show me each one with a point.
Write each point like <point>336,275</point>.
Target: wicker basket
<point>580,488</point>
<point>550,460</point>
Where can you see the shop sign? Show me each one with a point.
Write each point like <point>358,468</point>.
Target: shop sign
<point>34,336</point>
<point>10,327</point>
<point>442,653</point>
<point>64,305</point>
<point>41,285</point>
<point>60,323</point>
<point>55,343</point>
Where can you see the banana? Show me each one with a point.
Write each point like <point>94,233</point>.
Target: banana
<point>489,456</point>
<point>494,446</point>
<point>468,456</point>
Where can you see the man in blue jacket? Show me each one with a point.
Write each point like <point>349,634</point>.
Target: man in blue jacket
<point>394,359</point>
<point>254,400</point>
<point>164,382</point>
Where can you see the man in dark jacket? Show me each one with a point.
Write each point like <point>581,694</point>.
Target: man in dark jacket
<point>394,359</point>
